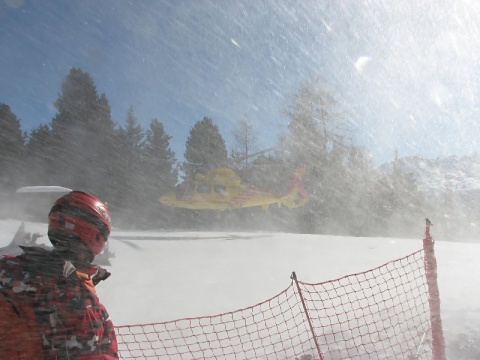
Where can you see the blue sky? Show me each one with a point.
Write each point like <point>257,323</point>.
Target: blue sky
<point>416,89</point>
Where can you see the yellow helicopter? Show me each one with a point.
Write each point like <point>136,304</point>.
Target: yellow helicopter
<point>222,189</point>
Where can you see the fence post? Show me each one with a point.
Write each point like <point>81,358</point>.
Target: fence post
<point>430,263</point>
<point>294,278</point>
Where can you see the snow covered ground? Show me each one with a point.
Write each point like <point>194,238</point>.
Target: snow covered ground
<point>166,275</point>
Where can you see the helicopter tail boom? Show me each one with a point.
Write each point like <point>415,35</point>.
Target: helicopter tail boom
<point>296,195</point>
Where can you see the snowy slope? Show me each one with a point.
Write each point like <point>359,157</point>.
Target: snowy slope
<point>159,276</point>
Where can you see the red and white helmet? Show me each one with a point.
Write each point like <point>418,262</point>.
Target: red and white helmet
<point>83,216</point>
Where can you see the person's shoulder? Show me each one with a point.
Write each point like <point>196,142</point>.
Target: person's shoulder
<point>11,266</point>
<point>41,260</point>
<point>33,253</point>
<point>7,257</point>
<point>37,250</point>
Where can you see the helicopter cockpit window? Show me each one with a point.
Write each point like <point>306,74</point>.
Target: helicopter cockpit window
<point>221,189</point>
<point>203,188</point>
<point>184,191</point>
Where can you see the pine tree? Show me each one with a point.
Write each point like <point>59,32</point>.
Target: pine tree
<point>205,148</point>
<point>39,152</point>
<point>159,158</point>
<point>358,191</point>
<point>246,140</point>
<point>132,140</point>
<point>400,205</point>
<point>317,136</point>
<point>129,147</point>
<point>107,155</point>
<point>159,171</point>
<point>82,133</point>
<point>12,147</point>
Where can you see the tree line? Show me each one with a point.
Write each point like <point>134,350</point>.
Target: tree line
<point>130,166</point>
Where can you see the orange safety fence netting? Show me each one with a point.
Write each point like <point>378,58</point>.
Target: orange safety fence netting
<point>382,313</point>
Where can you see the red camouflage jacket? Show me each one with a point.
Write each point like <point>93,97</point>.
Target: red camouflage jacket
<point>69,320</point>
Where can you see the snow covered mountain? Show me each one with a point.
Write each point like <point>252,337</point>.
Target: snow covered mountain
<point>460,175</point>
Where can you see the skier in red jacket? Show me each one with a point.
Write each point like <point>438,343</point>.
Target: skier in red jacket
<point>48,305</point>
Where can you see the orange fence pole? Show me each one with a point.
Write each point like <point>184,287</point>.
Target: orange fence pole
<point>430,263</point>
<point>294,278</point>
